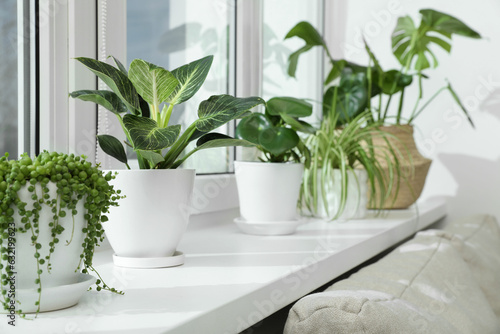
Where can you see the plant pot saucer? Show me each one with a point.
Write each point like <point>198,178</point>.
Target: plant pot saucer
<point>268,227</point>
<point>53,298</point>
<point>176,259</point>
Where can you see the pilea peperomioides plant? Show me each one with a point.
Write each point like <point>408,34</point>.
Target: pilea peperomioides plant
<point>275,131</point>
<point>41,198</point>
<point>136,97</point>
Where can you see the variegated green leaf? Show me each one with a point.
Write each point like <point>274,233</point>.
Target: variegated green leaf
<point>220,109</point>
<point>105,98</point>
<point>191,77</point>
<point>119,65</point>
<point>153,83</point>
<point>147,135</point>
<point>116,80</point>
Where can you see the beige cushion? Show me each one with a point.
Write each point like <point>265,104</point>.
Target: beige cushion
<point>424,286</point>
<point>481,251</point>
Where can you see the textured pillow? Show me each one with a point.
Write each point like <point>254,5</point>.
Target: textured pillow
<point>481,251</point>
<point>360,311</point>
<point>424,286</point>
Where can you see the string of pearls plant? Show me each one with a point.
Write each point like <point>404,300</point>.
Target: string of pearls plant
<point>76,180</point>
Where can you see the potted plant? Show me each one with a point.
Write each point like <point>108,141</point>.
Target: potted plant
<point>146,230</point>
<point>268,190</point>
<point>359,85</point>
<point>344,163</point>
<point>51,221</point>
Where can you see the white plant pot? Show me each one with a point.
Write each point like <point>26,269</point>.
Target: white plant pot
<point>268,193</point>
<point>150,222</point>
<point>357,196</point>
<point>64,260</point>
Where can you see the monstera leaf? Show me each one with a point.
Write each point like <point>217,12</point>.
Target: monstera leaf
<point>411,44</point>
<point>311,37</point>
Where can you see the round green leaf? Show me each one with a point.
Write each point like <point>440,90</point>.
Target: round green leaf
<point>290,106</point>
<point>250,127</point>
<point>278,140</point>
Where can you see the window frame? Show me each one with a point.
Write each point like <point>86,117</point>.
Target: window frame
<point>60,24</point>
<point>64,22</point>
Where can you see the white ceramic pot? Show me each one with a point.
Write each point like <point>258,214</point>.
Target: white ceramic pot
<point>63,284</point>
<point>150,221</point>
<point>268,192</point>
<point>66,256</point>
<point>357,196</point>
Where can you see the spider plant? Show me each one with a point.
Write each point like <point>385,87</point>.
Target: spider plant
<point>347,147</point>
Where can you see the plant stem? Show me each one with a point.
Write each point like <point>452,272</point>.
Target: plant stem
<point>415,114</point>
<point>177,148</point>
<point>387,107</point>
<point>165,116</point>
<point>400,108</point>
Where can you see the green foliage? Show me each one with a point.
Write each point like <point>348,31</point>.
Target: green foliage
<point>345,148</point>
<point>275,132</point>
<point>135,99</point>
<point>411,45</point>
<point>76,180</point>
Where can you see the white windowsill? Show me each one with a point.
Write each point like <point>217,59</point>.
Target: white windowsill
<point>231,280</point>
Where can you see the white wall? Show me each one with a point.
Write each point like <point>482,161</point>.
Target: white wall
<point>466,161</point>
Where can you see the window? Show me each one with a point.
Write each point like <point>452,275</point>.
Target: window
<point>244,36</point>
<point>275,81</point>
<point>170,34</point>
<point>8,78</point>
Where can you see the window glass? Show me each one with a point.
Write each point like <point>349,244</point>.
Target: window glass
<point>276,81</point>
<point>8,77</point>
<point>171,33</point>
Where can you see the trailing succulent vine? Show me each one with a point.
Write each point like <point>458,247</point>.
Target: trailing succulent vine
<point>76,180</point>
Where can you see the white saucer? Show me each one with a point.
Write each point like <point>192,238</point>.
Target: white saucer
<point>268,228</point>
<point>53,298</point>
<point>149,262</point>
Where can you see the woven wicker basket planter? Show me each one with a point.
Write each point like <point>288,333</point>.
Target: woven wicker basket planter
<point>413,167</point>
